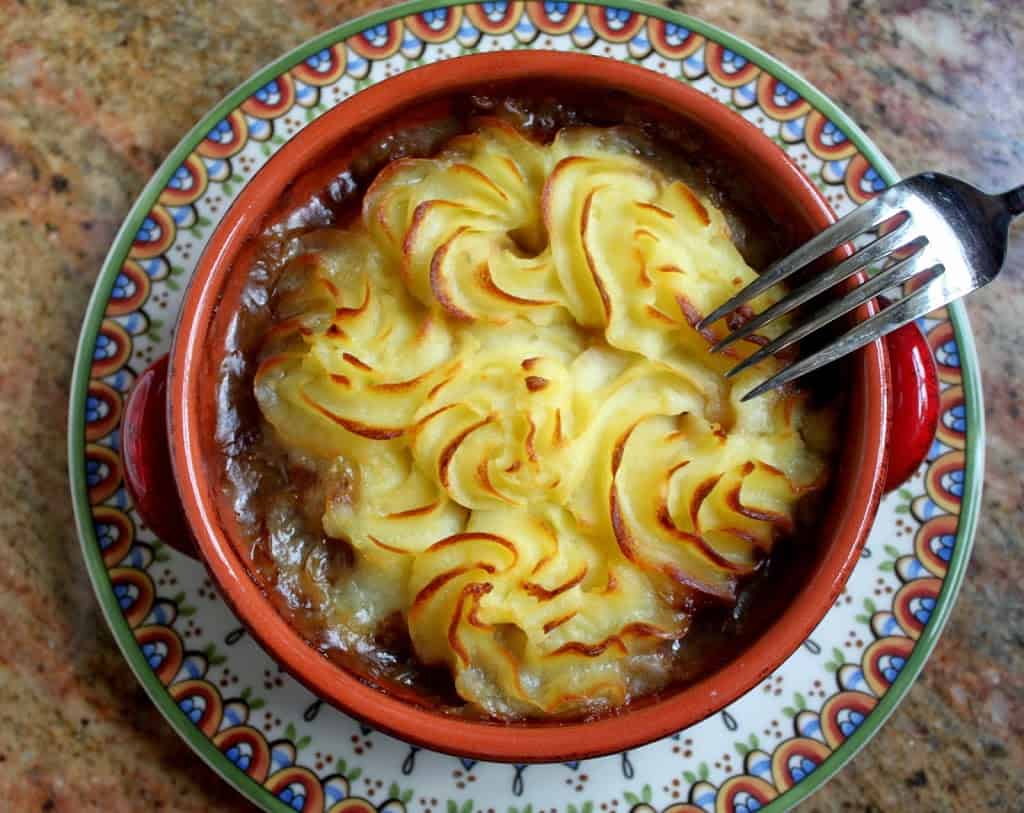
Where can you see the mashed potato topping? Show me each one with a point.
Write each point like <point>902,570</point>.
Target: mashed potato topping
<point>532,455</point>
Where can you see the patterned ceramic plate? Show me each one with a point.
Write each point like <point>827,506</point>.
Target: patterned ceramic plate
<point>267,735</point>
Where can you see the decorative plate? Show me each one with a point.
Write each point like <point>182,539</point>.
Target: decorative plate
<point>283,748</point>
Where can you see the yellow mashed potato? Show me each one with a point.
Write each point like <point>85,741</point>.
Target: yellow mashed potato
<point>536,461</point>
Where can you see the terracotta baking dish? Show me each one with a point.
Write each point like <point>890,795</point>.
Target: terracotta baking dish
<point>184,415</point>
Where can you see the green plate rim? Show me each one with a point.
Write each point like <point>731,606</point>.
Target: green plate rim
<point>202,745</point>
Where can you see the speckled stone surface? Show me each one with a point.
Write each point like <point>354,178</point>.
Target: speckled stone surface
<point>93,95</point>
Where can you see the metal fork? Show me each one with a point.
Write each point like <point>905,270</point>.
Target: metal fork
<point>955,236</point>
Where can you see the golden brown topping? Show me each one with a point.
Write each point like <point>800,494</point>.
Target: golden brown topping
<point>548,470</point>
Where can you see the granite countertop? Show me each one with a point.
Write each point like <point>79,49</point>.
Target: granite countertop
<point>93,96</point>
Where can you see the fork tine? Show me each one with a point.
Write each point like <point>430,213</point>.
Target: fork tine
<point>896,275</point>
<point>865,217</point>
<point>935,294</point>
<point>847,268</point>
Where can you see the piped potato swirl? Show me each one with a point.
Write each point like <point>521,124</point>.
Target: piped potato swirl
<point>534,459</point>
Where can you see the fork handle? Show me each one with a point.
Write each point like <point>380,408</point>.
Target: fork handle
<point>1014,200</point>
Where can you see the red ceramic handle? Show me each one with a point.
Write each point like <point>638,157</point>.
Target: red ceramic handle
<point>915,403</point>
<point>147,459</point>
